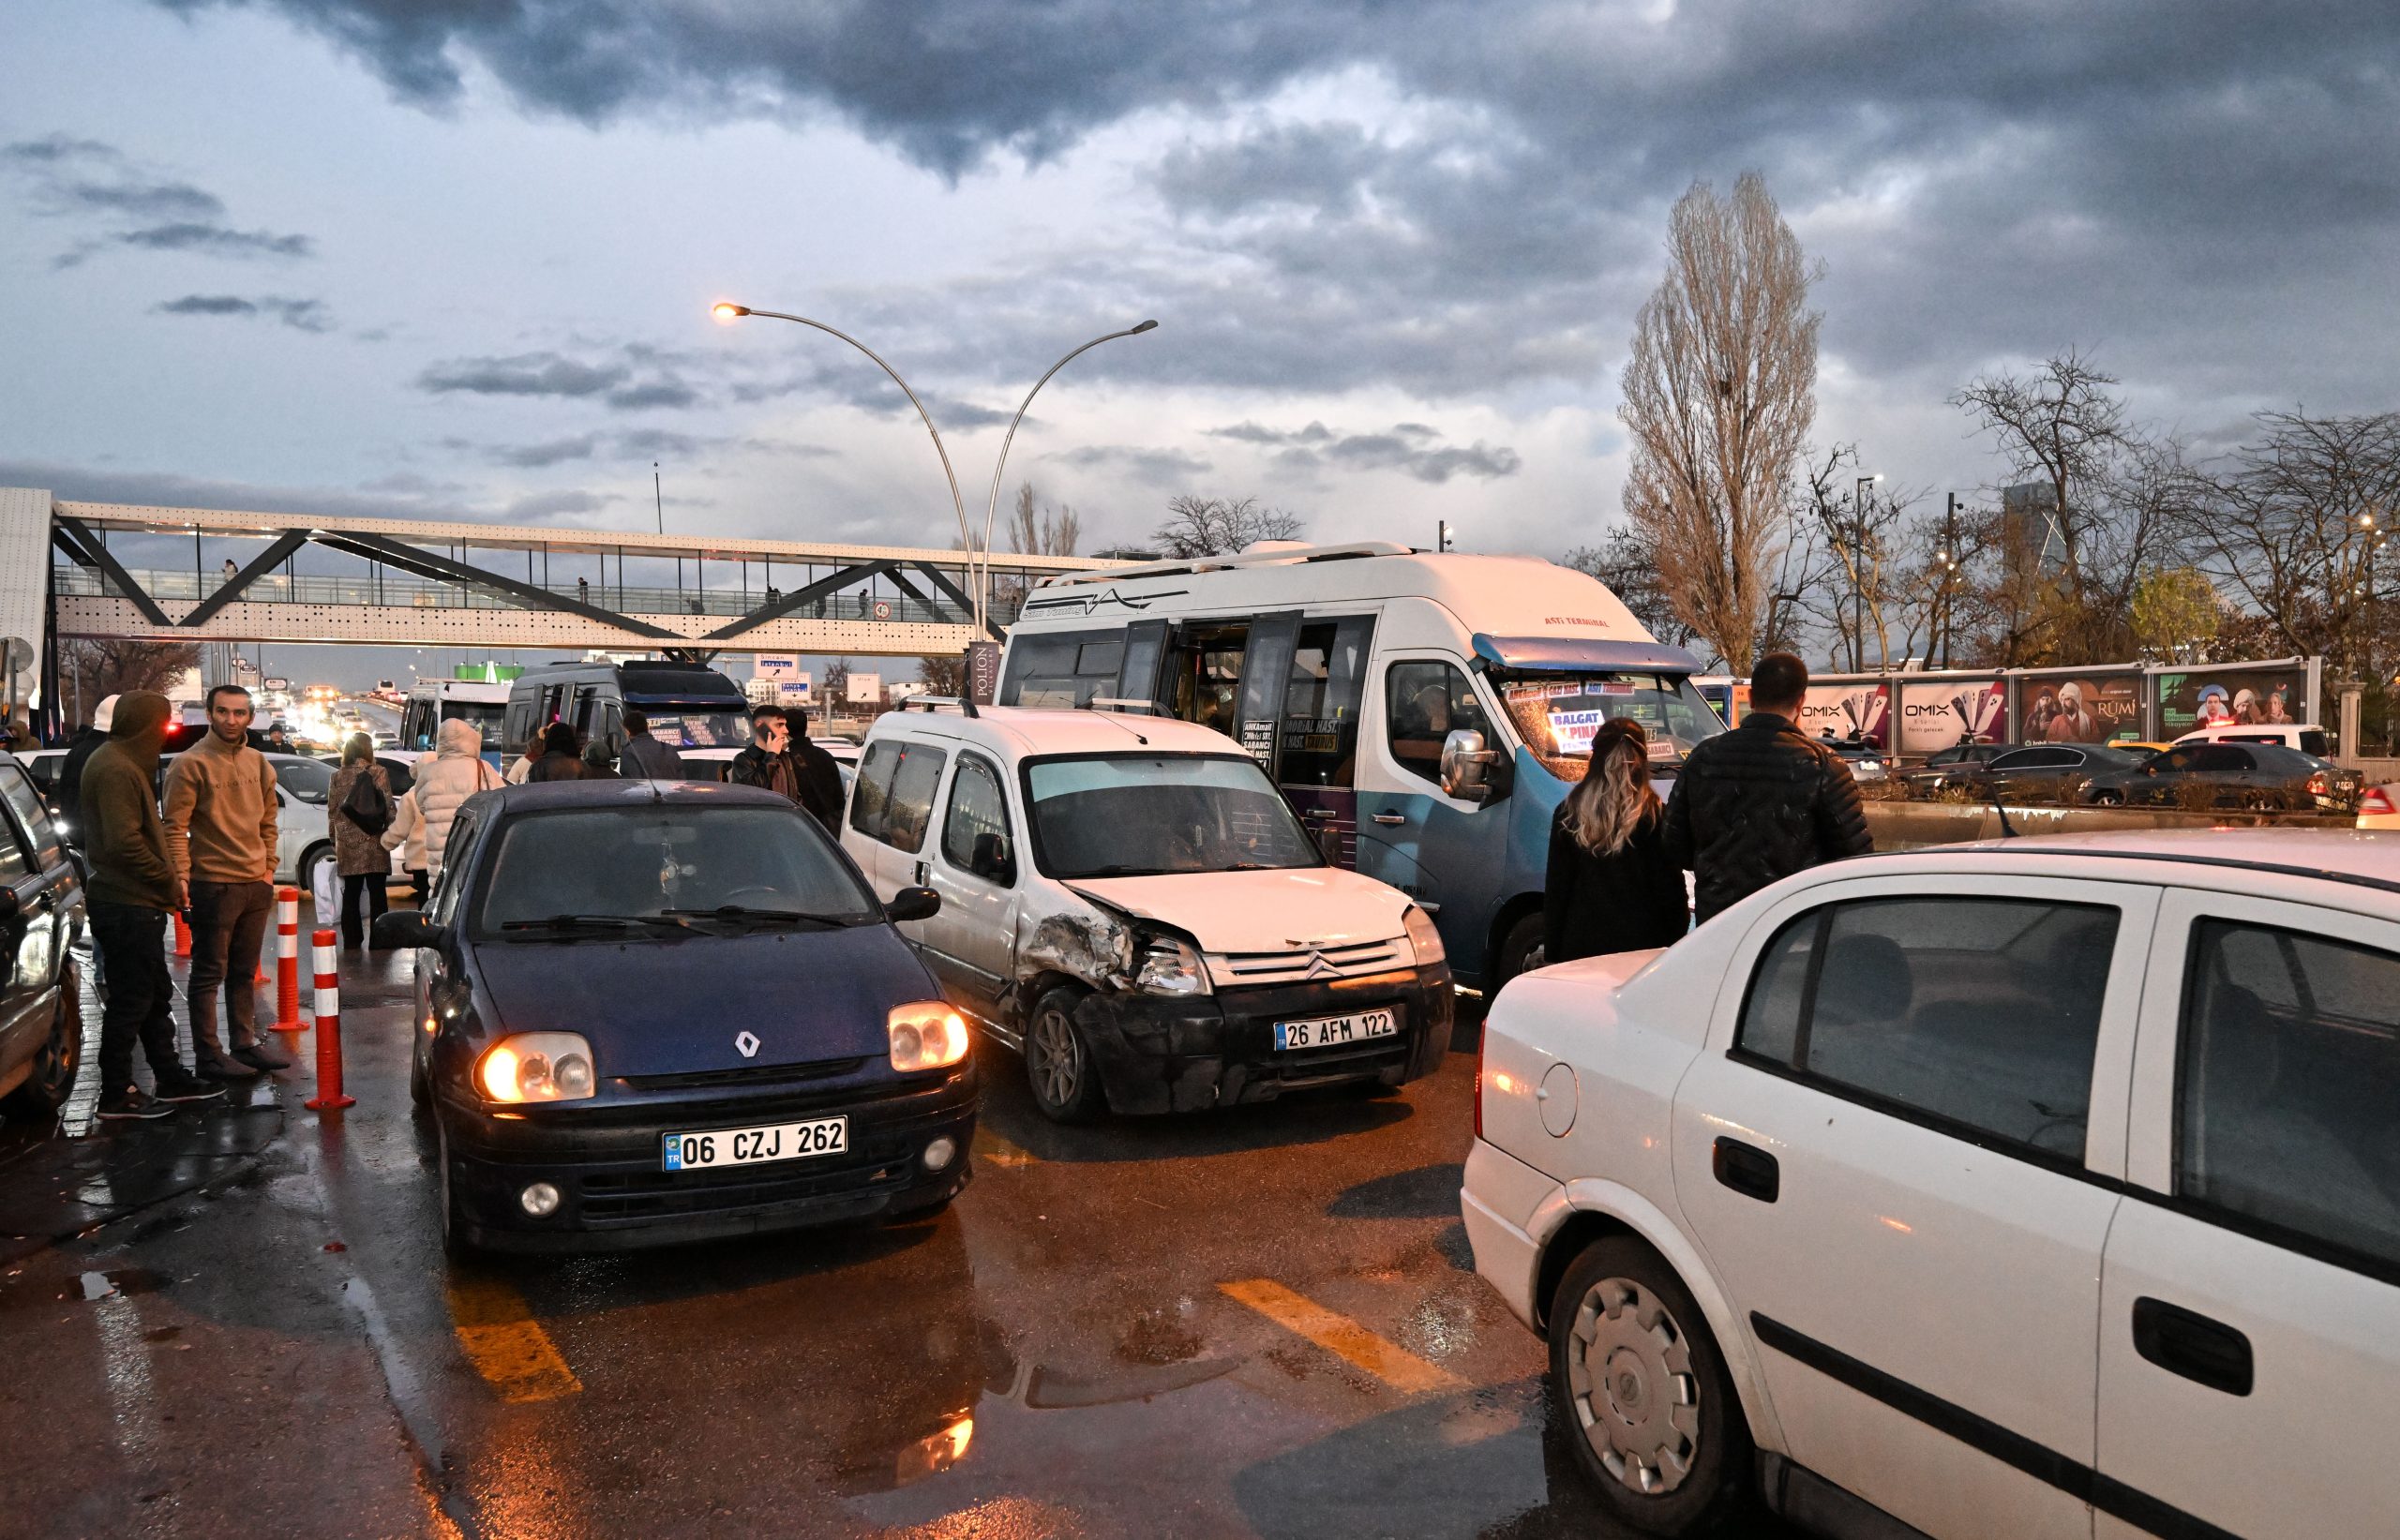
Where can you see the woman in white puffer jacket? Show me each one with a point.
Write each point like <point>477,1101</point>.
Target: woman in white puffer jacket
<point>456,773</point>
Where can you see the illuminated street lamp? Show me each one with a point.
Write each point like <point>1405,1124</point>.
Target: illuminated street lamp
<point>983,575</point>
<point>726,312</point>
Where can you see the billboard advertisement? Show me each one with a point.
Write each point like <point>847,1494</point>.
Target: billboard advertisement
<point>2231,697</point>
<point>1848,710</point>
<point>1936,714</point>
<point>2090,708</point>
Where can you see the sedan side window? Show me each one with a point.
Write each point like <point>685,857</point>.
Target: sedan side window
<point>1423,704</point>
<point>2290,1071</point>
<point>975,828</point>
<point>33,814</point>
<point>457,851</point>
<point>1979,1014</point>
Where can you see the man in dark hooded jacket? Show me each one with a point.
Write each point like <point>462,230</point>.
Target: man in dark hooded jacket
<point>819,779</point>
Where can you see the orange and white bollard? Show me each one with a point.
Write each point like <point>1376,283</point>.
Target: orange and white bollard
<point>328,1008</point>
<point>183,936</point>
<point>287,961</point>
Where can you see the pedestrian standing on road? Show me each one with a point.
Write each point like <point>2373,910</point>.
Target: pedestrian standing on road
<point>645,757</point>
<point>278,738</point>
<point>456,773</point>
<point>562,756</point>
<point>598,762</point>
<point>1613,886</point>
<point>131,889</point>
<point>69,788</point>
<point>814,772</point>
<point>221,820</point>
<point>1753,805</point>
<point>764,763</point>
<point>359,807</point>
<point>522,766</point>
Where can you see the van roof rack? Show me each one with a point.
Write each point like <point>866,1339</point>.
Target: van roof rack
<point>965,704</point>
<point>1120,703</point>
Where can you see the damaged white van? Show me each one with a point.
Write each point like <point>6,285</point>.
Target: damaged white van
<point>1128,903</point>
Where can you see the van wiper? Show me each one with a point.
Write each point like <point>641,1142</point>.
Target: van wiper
<point>558,925</point>
<point>1120,870</point>
<point>750,913</point>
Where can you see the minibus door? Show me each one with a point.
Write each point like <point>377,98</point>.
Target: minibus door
<point>1447,852</point>
<point>1138,679</point>
<point>1266,672</point>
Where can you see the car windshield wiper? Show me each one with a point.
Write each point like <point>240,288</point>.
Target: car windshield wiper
<point>559,925</point>
<point>750,913</point>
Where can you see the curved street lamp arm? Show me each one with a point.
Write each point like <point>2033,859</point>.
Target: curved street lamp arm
<point>964,534</point>
<point>992,507</point>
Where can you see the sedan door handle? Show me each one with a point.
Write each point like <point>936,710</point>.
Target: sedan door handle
<point>1747,1170</point>
<point>2186,1342</point>
<point>1391,817</point>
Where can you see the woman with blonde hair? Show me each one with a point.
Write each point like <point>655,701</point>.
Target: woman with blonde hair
<point>1611,885</point>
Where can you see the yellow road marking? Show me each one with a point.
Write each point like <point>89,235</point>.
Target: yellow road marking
<point>508,1346</point>
<point>992,1149</point>
<point>1344,1338</point>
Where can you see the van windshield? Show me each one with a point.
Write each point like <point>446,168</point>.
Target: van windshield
<point>1127,815</point>
<point>1557,711</point>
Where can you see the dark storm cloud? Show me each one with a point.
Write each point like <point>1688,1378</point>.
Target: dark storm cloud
<point>1161,466</point>
<point>632,382</point>
<point>2215,182</point>
<point>216,240</point>
<point>303,315</point>
<point>85,179</point>
<point>1413,449</point>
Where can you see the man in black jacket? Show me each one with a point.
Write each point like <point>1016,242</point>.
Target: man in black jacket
<point>818,779</point>
<point>1758,804</point>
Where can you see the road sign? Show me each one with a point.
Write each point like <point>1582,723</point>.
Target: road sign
<point>768,665</point>
<point>883,609</point>
<point>278,684</point>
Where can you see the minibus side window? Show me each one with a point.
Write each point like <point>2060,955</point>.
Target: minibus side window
<point>1424,703</point>
<point>1322,701</point>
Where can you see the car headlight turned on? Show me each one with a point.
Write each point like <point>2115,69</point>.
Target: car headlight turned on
<point>926,1035</point>
<point>538,1067</point>
<point>1166,964</point>
<point>1423,938</point>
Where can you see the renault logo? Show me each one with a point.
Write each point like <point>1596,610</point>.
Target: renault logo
<point>748,1044</point>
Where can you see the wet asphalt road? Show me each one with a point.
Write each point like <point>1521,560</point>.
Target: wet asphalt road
<point>241,1324</point>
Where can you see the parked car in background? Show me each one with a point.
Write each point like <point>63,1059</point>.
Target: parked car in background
<point>2247,775</point>
<point>616,1056</point>
<point>1866,762</point>
<point>1959,755</point>
<point>1130,904</point>
<point>2036,772</point>
<point>2307,738</point>
<point>1984,1186</point>
<point>41,921</point>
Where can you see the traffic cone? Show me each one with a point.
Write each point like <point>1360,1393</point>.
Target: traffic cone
<point>329,1094</point>
<point>287,961</point>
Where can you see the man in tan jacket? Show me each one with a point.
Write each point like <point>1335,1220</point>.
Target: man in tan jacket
<point>220,819</point>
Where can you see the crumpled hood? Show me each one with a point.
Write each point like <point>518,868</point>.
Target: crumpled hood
<point>1260,911</point>
<point>650,1008</point>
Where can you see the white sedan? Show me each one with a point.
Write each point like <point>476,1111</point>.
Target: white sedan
<point>2046,1187</point>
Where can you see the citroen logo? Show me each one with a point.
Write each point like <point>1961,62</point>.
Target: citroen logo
<point>1320,969</point>
<point>747,1044</point>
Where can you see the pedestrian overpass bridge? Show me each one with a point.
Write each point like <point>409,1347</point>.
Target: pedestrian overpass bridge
<point>119,570</point>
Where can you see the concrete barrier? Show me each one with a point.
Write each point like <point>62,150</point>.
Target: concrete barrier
<point>1908,825</point>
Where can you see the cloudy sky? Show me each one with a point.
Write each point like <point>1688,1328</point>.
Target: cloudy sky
<point>454,257</point>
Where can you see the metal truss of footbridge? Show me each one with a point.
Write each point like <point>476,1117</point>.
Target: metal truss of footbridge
<point>460,585</point>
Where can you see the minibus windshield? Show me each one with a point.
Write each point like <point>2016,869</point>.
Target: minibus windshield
<point>1557,711</point>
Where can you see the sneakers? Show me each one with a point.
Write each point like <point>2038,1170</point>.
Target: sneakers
<point>259,1057</point>
<point>183,1087</point>
<point>134,1102</point>
<point>227,1069</point>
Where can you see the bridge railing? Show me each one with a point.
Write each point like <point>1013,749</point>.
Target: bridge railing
<point>631,599</point>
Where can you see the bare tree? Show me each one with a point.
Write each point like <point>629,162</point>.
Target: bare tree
<point>1879,567</point>
<point>1622,559</point>
<point>1050,532</point>
<point>2176,613</point>
<point>1719,395</point>
<point>942,675</point>
<point>1198,526</point>
<point>2295,528</point>
<point>91,668</point>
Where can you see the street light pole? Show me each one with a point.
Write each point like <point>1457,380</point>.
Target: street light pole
<point>1948,556</point>
<point>734,312</point>
<point>1858,571</point>
<point>981,575</point>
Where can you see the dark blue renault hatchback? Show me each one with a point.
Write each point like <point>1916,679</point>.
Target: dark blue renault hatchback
<point>652,1011</point>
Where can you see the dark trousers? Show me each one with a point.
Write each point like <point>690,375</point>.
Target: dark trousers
<point>132,943</point>
<point>228,925</point>
<point>353,928</point>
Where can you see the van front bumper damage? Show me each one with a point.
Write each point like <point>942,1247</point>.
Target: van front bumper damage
<point>1159,1054</point>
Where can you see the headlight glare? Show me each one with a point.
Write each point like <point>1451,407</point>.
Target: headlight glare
<point>1168,965</point>
<point>1423,938</point>
<point>925,1035</point>
<point>538,1067</point>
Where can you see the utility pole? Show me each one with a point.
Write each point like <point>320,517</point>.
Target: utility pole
<point>657,499</point>
<point>1442,534</point>
<point>1948,556</point>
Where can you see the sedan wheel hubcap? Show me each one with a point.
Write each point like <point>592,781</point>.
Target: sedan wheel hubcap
<point>1631,1381</point>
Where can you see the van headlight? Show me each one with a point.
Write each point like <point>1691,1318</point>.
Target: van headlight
<point>1423,938</point>
<point>925,1035</point>
<point>1167,965</point>
<point>538,1067</point>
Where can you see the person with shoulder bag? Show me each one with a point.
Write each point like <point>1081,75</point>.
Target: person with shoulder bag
<point>1612,885</point>
<point>454,772</point>
<point>360,809</point>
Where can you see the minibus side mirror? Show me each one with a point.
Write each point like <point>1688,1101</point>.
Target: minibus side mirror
<point>1470,771</point>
